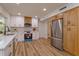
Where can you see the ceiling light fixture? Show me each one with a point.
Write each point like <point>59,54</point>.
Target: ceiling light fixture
<point>36,16</point>
<point>44,9</point>
<point>19,13</point>
<point>17,3</point>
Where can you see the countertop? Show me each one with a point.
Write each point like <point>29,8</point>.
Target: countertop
<point>5,40</point>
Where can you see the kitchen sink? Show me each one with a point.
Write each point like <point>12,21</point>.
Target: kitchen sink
<point>9,34</point>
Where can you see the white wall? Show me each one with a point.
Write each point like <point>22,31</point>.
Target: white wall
<point>6,15</point>
<point>43,29</point>
<point>28,29</point>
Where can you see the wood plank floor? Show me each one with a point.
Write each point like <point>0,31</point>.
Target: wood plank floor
<point>41,47</point>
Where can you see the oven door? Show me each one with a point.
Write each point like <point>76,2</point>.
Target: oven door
<point>28,37</point>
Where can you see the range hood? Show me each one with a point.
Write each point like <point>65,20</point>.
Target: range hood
<point>27,25</point>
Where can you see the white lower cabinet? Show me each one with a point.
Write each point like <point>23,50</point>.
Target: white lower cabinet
<point>20,37</point>
<point>8,51</point>
<point>35,35</point>
<point>5,52</point>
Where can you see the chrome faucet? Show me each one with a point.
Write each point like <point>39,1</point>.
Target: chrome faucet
<point>7,30</point>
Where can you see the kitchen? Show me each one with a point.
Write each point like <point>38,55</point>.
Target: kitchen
<point>19,31</point>
<point>21,34</point>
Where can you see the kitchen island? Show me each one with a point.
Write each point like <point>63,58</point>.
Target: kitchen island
<point>7,45</point>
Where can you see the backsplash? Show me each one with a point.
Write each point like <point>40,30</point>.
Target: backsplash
<point>2,25</point>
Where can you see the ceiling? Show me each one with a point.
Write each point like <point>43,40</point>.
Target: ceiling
<point>31,9</point>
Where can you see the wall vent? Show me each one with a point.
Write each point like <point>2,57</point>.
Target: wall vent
<point>63,8</point>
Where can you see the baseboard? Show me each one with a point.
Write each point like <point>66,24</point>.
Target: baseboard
<point>40,38</point>
<point>43,38</point>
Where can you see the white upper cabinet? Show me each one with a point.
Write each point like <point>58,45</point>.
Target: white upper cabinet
<point>34,22</point>
<point>12,21</point>
<point>17,21</point>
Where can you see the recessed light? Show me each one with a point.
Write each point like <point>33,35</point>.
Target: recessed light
<point>17,3</point>
<point>44,9</point>
<point>19,13</point>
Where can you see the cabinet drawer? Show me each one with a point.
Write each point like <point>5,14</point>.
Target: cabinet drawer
<point>6,51</point>
<point>69,38</point>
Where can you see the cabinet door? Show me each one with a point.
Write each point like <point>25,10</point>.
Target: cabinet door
<point>34,22</point>
<point>66,18</point>
<point>13,22</point>
<point>69,38</point>
<point>71,18</point>
<point>19,21</point>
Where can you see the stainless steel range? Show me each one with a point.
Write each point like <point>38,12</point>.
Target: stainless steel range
<point>28,36</point>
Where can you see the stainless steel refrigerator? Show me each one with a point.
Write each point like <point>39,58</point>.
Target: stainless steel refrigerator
<point>57,32</point>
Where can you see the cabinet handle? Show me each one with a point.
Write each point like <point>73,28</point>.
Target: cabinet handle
<point>69,29</point>
<point>68,22</point>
